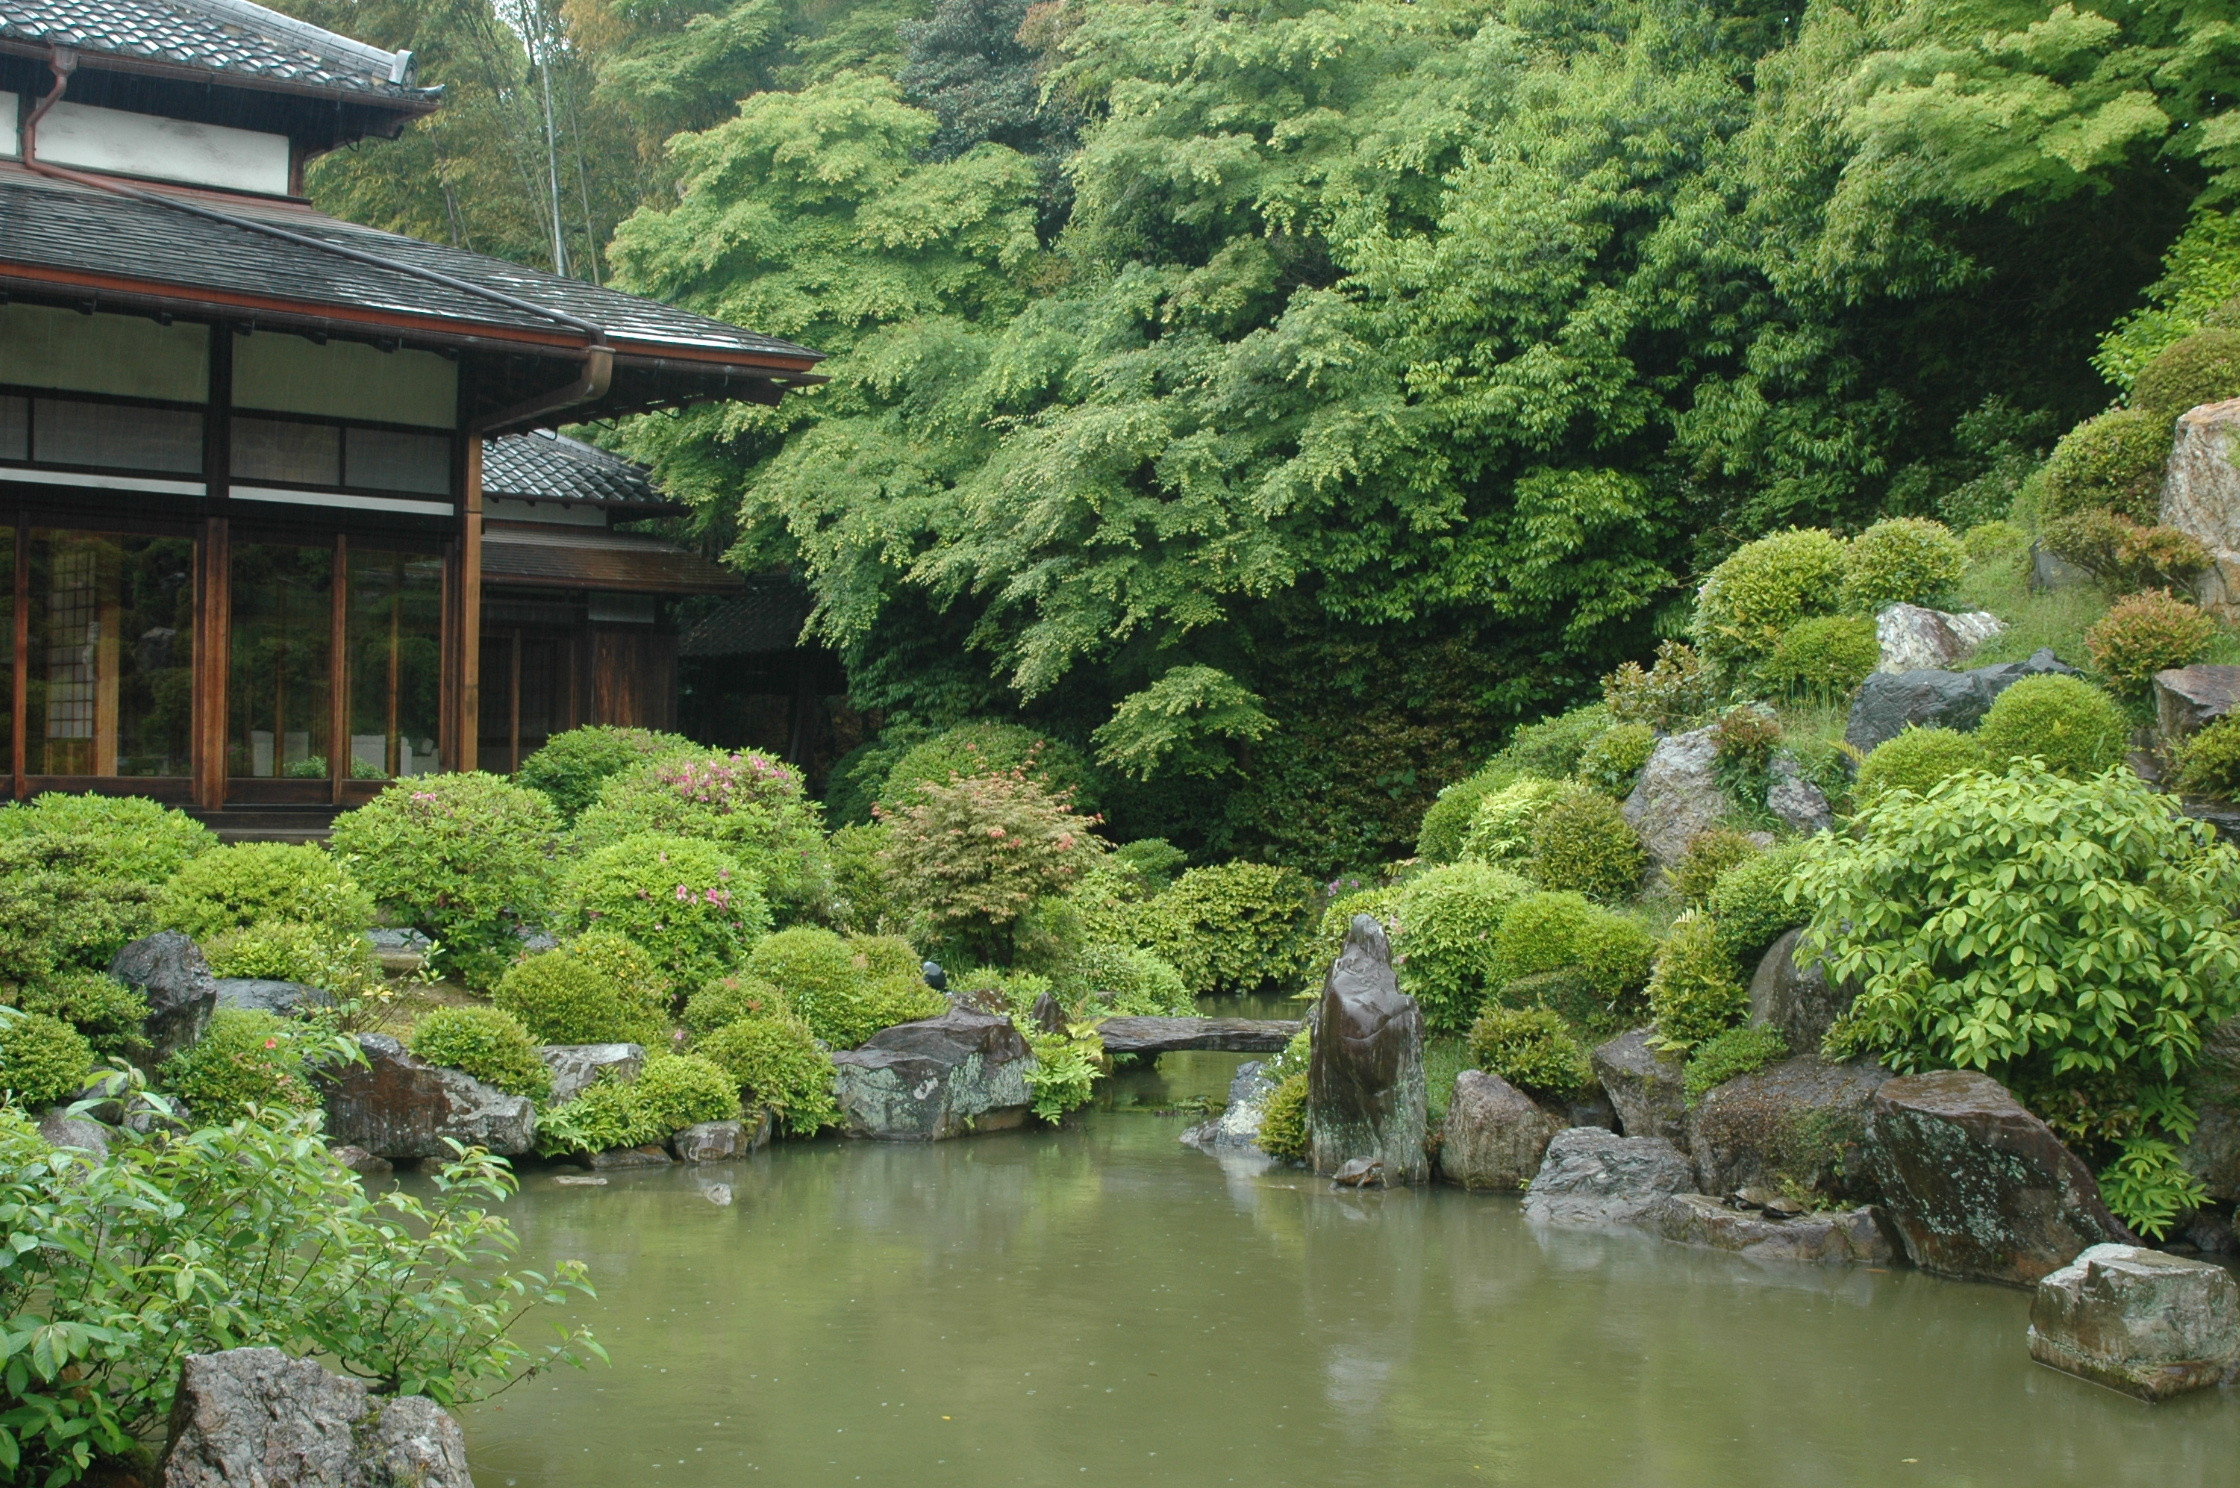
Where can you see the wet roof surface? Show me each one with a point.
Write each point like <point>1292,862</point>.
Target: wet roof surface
<point>550,467</point>
<point>223,36</point>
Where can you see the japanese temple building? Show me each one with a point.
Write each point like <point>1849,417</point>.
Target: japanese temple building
<point>273,524</point>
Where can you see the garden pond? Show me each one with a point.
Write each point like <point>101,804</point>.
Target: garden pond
<point>1101,1305</point>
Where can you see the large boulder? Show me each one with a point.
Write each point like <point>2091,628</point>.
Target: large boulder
<point>282,999</point>
<point>402,1108</point>
<point>1937,699</point>
<point>1366,1099</point>
<point>721,1141</point>
<point>1798,1124</point>
<point>1646,1088</point>
<point>2193,697</point>
<point>1238,1125</point>
<point>254,1416</point>
<point>2201,497</point>
<point>1598,1179</point>
<point>1796,800</point>
<point>575,1066</point>
<point>2213,1088</point>
<point>1795,996</point>
<point>2139,1321</point>
<point>58,1128</point>
<point>1677,799</point>
<point>1977,1186</point>
<point>168,970</point>
<point>963,1072</point>
<point>1840,1237</point>
<point>1916,639</point>
<point>1495,1135</point>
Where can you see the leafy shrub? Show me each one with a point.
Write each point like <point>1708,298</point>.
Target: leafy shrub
<point>1127,981</point>
<point>1749,905</point>
<point>1584,842</point>
<point>60,911</point>
<point>1709,855</point>
<point>42,1059</point>
<point>1233,927</point>
<point>105,1010</point>
<point>341,961</point>
<point>1552,931</point>
<point>465,859</point>
<point>1153,862</point>
<point>1746,737</point>
<point>1671,695</point>
<point>1064,1075</point>
<point>687,902</point>
<point>2149,1188</point>
<point>628,965</point>
<point>229,888</point>
<point>730,999</point>
<point>974,749</point>
<point>1693,991</point>
<point>1988,541</point>
<point>125,837</point>
<point>2146,633</point>
<point>1825,657</point>
<point>863,899</point>
<point>1283,1119</point>
<point>1613,762</point>
<point>2073,726</point>
<point>1554,746</point>
<point>747,803</point>
<point>1901,560</point>
<point>1915,759</point>
<point>486,1042</point>
<point>2122,553</point>
<point>245,1058</point>
<point>562,998</point>
<point>1532,1048</point>
<point>775,1062</point>
<point>1449,919</point>
<point>572,766</point>
<point>241,1236</point>
<point>1568,991</point>
<point>605,1116</point>
<point>844,991</point>
<point>1446,823</point>
<point>2201,368</point>
<point>1764,588</point>
<point>675,1091</point>
<point>1501,827</point>
<point>1731,1055</point>
<point>2113,462</point>
<point>971,857</point>
<point>2208,762</point>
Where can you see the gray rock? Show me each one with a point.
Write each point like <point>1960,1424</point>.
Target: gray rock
<point>1796,998</point>
<point>648,1156</point>
<point>711,1141</point>
<point>1598,1179</point>
<point>575,1066</point>
<point>2213,1088</point>
<point>1238,1125</point>
<point>963,1072</point>
<point>1937,699</point>
<point>396,1106</point>
<point>167,968</point>
<point>1677,799</point>
<point>1646,1089</point>
<point>2049,572</point>
<point>400,952</point>
<point>2135,1320</point>
<point>1495,1135</point>
<point>718,1194</point>
<point>1837,1237</point>
<point>257,1417</point>
<point>1048,1014</point>
<point>1798,1124</point>
<point>362,1162</point>
<point>1365,1090</point>
<point>2201,496</point>
<point>1976,1185</point>
<point>58,1128</point>
<point>284,999</point>
<point>2039,663</point>
<point>1795,799</point>
<point>2193,697</point>
<point>1916,639</point>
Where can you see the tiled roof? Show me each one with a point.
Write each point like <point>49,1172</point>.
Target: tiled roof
<point>76,229</point>
<point>767,617</point>
<point>233,37</point>
<point>551,467</point>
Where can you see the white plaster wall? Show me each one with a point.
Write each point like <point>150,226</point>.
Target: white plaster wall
<point>166,149</point>
<point>9,105</point>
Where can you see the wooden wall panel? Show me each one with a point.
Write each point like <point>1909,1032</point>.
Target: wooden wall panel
<point>633,679</point>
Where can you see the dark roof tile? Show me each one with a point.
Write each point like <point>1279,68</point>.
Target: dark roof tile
<point>230,37</point>
<point>551,467</point>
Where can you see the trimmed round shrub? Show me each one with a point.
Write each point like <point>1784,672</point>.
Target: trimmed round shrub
<point>1552,931</point>
<point>2201,368</point>
<point>1827,656</point>
<point>2122,554</point>
<point>1915,759</point>
<point>1283,1120</point>
<point>244,1058</point>
<point>729,1000</point>
<point>1501,827</point>
<point>1128,982</point>
<point>2146,633</point>
<point>1570,992</point>
<point>1901,560</point>
<point>687,903</point>
<point>1446,824</point>
<point>572,766</point>
<point>675,1091</point>
<point>628,965</point>
<point>1764,588</point>
<point>2114,461</point>
<point>775,1062</point>
<point>1749,906</point>
<point>1613,762</point>
<point>229,888</point>
<point>1709,855</point>
<point>486,1042</point>
<point>1233,927</point>
<point>43,1060</point>
<point>1553,746</point>
<point>972,749</point>
<point>465,859</point>
<point>748,803</point>
<point>1449,919</point>
<point>2209,761</point>
<point>1584,843</point>
<point>863,898</point>
<point>1987,542</point>
<point>969,859</point>
<point>341,961</point>
<point>2073,726</point>
<point>126,837</point>
<point>108,1013</point>
<point>563,999</point>
<point>1532,1048</point>
<point>1694,993</point>
<point>1730,1056</point>
<point>844,992</point>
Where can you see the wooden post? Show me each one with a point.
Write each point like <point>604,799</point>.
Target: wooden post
<point>213,659</point>
<point>21,682</point>
<point>467,726</point>
<point>338,671</point>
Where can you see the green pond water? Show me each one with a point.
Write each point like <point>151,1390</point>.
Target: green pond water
<point>1100,1305</point>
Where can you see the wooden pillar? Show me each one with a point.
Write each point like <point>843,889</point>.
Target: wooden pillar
<point>466,654</point>
<point>213,653</point>
<point>21,682</point>
<point>338,672</point>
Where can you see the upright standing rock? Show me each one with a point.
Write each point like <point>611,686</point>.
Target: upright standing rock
<point>1495,1135</point>
<point>2139,1321</point>
<point>1647,1090</point>
<point>168,970</point>
<point>1365,1092</point>
<point>2201,497</point>
<point>256,1416</point>
<point>1795,997</point>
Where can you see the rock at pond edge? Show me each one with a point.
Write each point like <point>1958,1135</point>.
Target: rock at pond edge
<point>1598,1180</point>
<point>1647,1090</point>
<point>255,1416</point>
<point>2136,1320</point>
<point>1366,1097</point>
<point>397,1106</point>
<point>962,1072</point>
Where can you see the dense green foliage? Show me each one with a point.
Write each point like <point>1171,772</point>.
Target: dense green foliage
<point>42,1060</point>
<point>1283,1119</point>
<point>747,803</point>
<point>565,998</point>
<point>133,837</point>
<point>2209,761</point>
<point>1694,992</point>
<point>2071,725</point>
<point>730,999</point>
<point>1234,927</point>
<point>488,1043</point>
<point>1901,560</point>
<point>1750,905</point>
<point>1584,843</point>
<point>1709,855</point>
<point>844,990</point>
<point>233,887</point>
<point>108,1013</point>
<point>572,766</point>
<point>1449,922</point>
<point>970,857</point>
<point>244,1060</point>
<point>1914,760</point>
<point>675,1091</point>
<point>340,961</point>
<point>1127,981</point>
<point>1548,932</point>
<point>1824,658</point>
<point>687,902</point>
<point>1613,762</point>
<point>1730,1055</point>
<point>775,1061</point>
<point>988,749</point>
<point>2146,633</point>
<point>1532,1048</point>
<point>1501,824</point>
